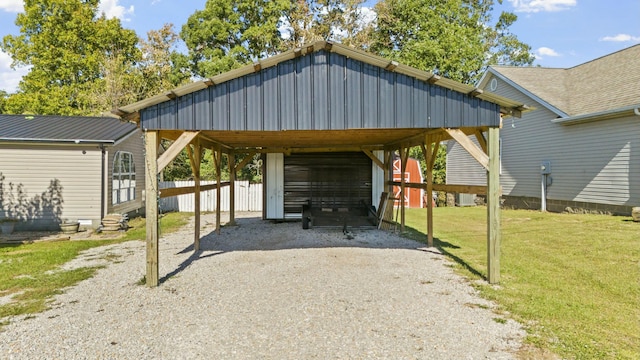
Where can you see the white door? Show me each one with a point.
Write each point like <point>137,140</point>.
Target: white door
<point>275,186</point>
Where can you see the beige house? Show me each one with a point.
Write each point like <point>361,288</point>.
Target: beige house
<point>579,149</point>
<point>59,168</point>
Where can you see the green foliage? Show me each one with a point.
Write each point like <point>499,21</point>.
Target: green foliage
<point>453,38</point>
<point>227,34</point>
<point>65,42</point>
<point>571,279</point>
<point>3,101</point>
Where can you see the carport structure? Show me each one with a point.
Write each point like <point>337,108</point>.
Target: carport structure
<point>321,98</point>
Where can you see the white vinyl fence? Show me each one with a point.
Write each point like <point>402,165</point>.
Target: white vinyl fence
<point>248,197</point>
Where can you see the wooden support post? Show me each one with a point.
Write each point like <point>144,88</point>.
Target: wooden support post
<point>404,157</point>
<point>151,201</point>
<point>195,158</point>
<point>387,172</point>
<point>493,207</point>
<point>429,155</point>
<point>217,159</point>
<point>232,188</point>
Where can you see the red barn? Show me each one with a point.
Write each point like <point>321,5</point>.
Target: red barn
<point>413,197</point>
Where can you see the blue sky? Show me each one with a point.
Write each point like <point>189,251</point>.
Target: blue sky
<point>562,33</point>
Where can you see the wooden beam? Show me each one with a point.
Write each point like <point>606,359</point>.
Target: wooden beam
<point>195,157</point>
<point>151,203</point>
<point>404,156</point>
<point>387,171</point>
<point>433,79</point>
<point>245,160</point>
<point>469,146</point>
<point>481,140</point>
<point>175,149</point>
<point>232,188</point>
<point>493,207</point>
<point>434,153</point>
<point>217,159</point>
<point>169,192</point>
<point>464,189</point>
<point>373,158</point>
<point>391,66</point>
<point>429,155</point>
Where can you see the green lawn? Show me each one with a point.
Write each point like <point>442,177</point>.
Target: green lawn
<point>29,272</point>
<point>573,280</point>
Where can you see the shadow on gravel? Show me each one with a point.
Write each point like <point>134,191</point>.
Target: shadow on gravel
<point>442,247</point>
<point>255,234</point>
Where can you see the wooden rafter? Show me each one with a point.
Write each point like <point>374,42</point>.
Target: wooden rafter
<point>481,140</point>
<point>373,158</point>
<point>469,146</point>
<point>175,149</point>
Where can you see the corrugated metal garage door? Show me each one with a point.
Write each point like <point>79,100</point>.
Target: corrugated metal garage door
<point>326,180</point>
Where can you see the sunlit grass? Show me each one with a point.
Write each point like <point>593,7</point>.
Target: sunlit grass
<point>573,280</point>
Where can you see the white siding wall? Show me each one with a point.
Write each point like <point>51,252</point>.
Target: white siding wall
<point>597,162</point>
<point>248,197</point>
<point>462,169</point>
<point>36,166</point>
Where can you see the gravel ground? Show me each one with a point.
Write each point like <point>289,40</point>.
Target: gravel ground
<point>264,290</point>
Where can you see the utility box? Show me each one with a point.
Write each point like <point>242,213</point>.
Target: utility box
<point>545,167</point>
<point>466,199</point>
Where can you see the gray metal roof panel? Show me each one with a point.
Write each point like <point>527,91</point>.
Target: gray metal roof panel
<point>50,128</point>
<point>351,53</point>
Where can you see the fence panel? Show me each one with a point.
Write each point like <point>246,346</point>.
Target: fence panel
<point>248,197</point>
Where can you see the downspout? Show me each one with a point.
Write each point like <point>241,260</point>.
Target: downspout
<point>103,181</point>
<point>636,111</point>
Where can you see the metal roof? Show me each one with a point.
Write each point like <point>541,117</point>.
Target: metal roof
<point>63,129</point>
<point>507,106</point>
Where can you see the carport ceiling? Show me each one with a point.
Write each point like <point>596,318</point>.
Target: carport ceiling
<point>302,140</point>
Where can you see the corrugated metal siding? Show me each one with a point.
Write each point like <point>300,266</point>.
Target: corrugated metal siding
<point>593,162</point>
<point>248,197</point>
<point>321,91</point>
<point>78,174</point>
<point>326,180</point>
<point>135,145</point>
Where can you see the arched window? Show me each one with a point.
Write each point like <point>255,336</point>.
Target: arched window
<point>124,178</point>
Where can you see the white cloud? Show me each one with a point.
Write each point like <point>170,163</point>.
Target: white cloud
<point>10,78</point>
<point>545,51</point>
<point>542,5</point>
<point>12,5</point>
<point>112,9</point>
<point>621,38</point>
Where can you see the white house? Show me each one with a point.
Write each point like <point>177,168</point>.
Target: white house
<point>57,168</point>
<point>579,149</point>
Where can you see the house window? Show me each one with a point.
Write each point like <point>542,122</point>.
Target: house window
<point>124,178</point>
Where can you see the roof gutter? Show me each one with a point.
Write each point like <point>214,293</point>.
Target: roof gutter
<point>57,141</point>
<point>598,116</point>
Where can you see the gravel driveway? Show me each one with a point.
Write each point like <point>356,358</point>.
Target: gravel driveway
<point>264,290</point>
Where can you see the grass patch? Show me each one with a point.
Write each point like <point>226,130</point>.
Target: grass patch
<point>571,279</point>
<point>31,271</point>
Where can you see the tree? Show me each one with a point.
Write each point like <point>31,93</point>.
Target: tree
<point>227,34</point>
<point>161,66</point>
<point>3,100</point>
<point>453,38</point>
<point>67,46</point>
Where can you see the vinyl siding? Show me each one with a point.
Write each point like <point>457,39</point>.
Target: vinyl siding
<point>596,162</point>
<point>462,169</point>
<point>36,166</point>
<point>135,145</point>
